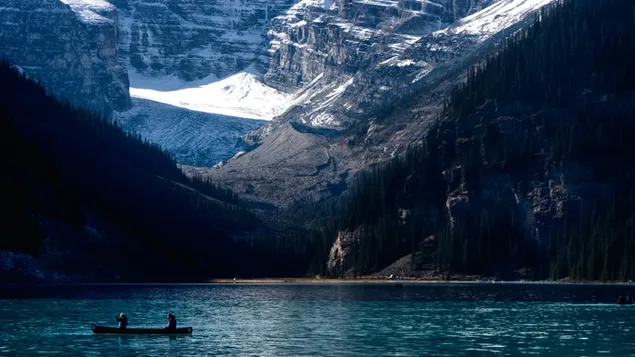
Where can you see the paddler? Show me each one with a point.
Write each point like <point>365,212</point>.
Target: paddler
<point>620,300</point>
<point>123,320</point>
<point>171,322</point>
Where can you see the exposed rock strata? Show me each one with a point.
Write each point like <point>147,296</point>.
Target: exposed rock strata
<point>366,117</point>
<point>70,46</point>
<point>193,39</point>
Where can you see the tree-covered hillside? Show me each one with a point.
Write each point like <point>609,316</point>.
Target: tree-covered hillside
<point>89,200</point>
<point>528,172</point>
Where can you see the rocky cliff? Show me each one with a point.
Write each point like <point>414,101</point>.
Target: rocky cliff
<point>358,60</point>
<point>528,170</point>
<point>504,196</point>
<point>193,39</point>
<point>356,111</point>
<point>338,38</point>
<point>71,46</point>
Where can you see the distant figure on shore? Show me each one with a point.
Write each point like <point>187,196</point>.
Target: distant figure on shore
<point>123,320</point>
<point>171,322</point>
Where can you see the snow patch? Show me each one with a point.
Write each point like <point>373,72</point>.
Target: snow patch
<point>318,118</point>
<point>425,70</point>
<point>495,17</point>
<point>89,10</point>
<point>341,89</point>
<point>241,95</point>
<point>323,119</point>
<point>395,61</point>
<point>20,70</point>
<point>321,4</point>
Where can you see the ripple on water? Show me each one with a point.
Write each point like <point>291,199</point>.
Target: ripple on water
<point>321,320</point>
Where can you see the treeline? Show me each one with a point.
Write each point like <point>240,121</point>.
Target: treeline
<point>63,164</point>
<point>567,82</point>
<point>529,167</point>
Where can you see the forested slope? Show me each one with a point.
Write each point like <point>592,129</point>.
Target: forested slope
<point>81,199</point>
<point>529,171</point>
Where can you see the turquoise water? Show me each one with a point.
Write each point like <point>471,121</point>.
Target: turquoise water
<point>322,320</point>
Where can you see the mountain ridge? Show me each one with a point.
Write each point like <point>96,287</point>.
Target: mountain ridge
<point>526,174</point>
<point>88,202</point>
<point>370,137</point>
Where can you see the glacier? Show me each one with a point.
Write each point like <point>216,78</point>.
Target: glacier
<point>241,95</point>
<point>193,138</point>
<point>320,63</point>
<point>194,68</point>
<point>201,74</point>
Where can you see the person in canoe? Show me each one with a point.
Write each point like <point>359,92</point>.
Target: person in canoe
<point>171,322</point>
<point>123,320</point>
<point>624,301</point>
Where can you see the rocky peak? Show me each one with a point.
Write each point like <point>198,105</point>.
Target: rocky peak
<point>339,37</point>
<point>69,45</point>
<point>192,39</point>
<point>362,83</point>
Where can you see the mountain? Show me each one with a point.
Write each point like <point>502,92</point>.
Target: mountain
<point>231,65</point>
<point>314,47</point>
<point>84,201</point>
<point>526,173</point>
<point>194,39</point>
<point>355,111</point>
<point>98,52</point>
<point>200,62</point>
<point>69,45</point>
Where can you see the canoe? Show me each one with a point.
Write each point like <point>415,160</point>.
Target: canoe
<point>141,331</point>
<point>625,303</point>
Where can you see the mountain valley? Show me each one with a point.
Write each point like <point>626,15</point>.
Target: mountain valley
<point>316,137</point>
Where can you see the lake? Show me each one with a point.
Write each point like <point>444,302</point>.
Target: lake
<point>322,320</point>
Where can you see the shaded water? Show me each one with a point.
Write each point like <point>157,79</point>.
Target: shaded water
<point>322,320</point>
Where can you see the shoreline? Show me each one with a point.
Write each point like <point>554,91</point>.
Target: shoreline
<point>458,280</point>
<point>397,281</point>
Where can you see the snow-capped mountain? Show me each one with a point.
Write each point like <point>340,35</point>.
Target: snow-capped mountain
<point>345,120</point>
<point>203,73</point>
<point>343,36</point>
<point>70,45</point>
<point>366,69</point>
<point>195,65</point>
<point>308,50</point>
<point>193,39</point>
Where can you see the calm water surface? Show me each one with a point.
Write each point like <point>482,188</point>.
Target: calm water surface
<point>322,320</point>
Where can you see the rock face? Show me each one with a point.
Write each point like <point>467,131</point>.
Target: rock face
<point>357,60</point>
<point>69,45</point>
<point>169,45</point>
<point>357,108</point>
<point>341,37</point>
<point>348,64</point>
<point>340,259</point>
<point>195,38</point>
<point>534,198</point>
